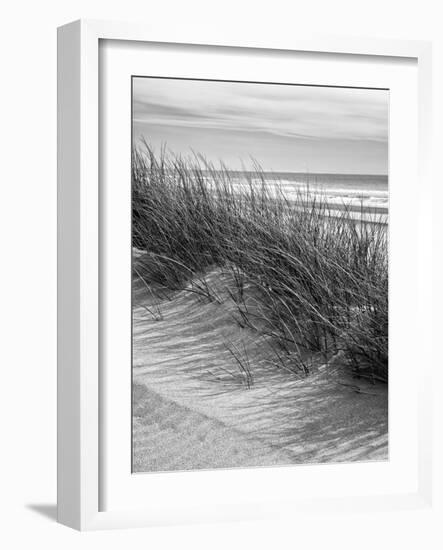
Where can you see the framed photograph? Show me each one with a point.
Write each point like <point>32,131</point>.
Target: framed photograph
<point>241,261</point>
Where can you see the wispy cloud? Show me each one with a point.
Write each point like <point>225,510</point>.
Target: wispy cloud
<point>285,111</point>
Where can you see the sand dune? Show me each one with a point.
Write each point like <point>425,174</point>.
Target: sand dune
<point>168,436</point>
<point>193,409</point>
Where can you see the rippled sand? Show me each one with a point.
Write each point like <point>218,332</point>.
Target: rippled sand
<point>192,407</point>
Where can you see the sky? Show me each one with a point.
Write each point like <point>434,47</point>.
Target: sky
<point>282,127</point>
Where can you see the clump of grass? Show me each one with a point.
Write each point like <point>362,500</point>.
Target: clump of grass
<point>319,278</point>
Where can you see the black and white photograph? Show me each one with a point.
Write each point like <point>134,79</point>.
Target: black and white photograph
<point>222,275</point>
<point>259,274</point>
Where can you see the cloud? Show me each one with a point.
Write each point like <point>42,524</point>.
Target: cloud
<point>143,109</point>
<point>275,114</point>
<point>290,111</point>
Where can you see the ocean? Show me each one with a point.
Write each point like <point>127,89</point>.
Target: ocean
<point>355,191</point>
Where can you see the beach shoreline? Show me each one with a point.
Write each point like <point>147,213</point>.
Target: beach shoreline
<point>259,321</point>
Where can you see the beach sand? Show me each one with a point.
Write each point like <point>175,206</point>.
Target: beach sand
<point>192,408</point>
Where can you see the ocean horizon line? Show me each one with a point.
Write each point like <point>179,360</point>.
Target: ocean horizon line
<point>298,173</point>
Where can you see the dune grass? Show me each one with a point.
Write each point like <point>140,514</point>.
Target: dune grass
<point>319,278</point>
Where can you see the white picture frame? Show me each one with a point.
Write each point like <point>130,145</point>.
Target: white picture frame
<point>79,293</point>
